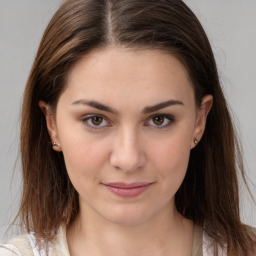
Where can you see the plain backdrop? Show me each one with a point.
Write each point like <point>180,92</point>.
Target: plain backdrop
<point>231,27</point>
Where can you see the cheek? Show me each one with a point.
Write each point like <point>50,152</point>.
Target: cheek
<point>174,168</point>
<point>84,158</point>
<point>83,155</point>
<point>171,160</point>
<point>84,165</point>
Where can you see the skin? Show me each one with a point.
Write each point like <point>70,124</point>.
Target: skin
<point>128,145</point>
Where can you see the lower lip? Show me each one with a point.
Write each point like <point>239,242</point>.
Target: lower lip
<point>128,192</point>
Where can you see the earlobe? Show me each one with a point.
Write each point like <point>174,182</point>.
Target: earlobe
<point>51,125</point>
<point>202,114</point>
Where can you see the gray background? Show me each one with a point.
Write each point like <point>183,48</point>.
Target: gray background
<point>230,25</point>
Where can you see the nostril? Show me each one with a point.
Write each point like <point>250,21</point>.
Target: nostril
<point>127,154</point>
<point>126,161</point>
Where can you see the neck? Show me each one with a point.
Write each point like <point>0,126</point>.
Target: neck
<point>165,233</point>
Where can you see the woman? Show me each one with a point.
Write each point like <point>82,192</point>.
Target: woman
<point>126,140</point>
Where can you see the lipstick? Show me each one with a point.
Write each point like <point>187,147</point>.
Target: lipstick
<point>127,189</point>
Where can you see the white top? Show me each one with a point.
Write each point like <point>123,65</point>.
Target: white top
<point>60,247</point>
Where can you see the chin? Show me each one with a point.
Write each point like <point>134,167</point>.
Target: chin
<point>126,220</point>
<point>127,217</point>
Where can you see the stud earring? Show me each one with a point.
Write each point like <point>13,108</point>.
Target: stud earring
<point>54,144</point>
<point>56,147</point>
<point>195,141</point>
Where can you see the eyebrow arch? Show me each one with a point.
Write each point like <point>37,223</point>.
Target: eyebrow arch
<point>161,105</point>
<point>95,104</point>
<point>146,110</point>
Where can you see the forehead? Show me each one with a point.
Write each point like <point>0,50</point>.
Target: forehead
<point>119,73</point>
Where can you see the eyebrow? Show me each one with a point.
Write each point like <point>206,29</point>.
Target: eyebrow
<point>146,110</point>
<point>95,104</point>
<point>161,105</point>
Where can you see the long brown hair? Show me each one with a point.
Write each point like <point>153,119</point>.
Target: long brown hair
<point>209,193</point>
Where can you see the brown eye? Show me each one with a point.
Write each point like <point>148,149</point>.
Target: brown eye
<point>96,120</point>
<point>158,120</point>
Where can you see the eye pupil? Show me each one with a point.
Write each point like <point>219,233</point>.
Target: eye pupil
<point>97,120</point>
<point>158,120</point>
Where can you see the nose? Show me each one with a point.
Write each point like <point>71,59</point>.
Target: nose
<point>128,152</point>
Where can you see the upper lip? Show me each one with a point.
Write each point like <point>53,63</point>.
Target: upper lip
<point>127,185</point>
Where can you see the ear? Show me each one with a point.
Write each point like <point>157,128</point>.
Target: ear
<point>202,114</point>
<point>51,125</point>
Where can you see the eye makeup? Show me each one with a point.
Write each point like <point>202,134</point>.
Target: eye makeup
<point>157,121</point>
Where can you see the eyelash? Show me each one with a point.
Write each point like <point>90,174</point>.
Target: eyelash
<point>88,118</point>
<point>169,118</point>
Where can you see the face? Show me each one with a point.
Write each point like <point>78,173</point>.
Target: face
<point>126,123</point>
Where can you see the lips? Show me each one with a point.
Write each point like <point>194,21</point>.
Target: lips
<point>127,189</point>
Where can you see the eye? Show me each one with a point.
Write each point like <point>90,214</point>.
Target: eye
<point>95,121</point>
<point>160,121</point>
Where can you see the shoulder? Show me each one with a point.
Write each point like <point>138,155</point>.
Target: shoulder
<point>252,231</point>
<point>204,245</point>
<point>9,250</point>
<point>27,245</point>
<point>209,248</point>
<point>17,247</point>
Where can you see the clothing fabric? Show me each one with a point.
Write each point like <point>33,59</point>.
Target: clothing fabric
<point>25,245</point>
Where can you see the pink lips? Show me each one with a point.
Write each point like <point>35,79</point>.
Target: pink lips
<point>127,190</point>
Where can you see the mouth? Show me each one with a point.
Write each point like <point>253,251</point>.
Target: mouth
<point>127,189</point>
